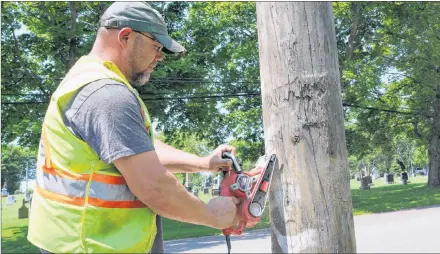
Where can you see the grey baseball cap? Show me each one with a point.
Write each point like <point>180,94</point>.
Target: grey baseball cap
<point>141,17</point>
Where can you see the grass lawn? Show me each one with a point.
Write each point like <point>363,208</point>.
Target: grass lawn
<point>380,198</point>
<point>14,230</point>
<point>392,197</point>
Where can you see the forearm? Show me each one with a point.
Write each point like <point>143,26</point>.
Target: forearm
<point>178,161</point>
<point>160,190</point>
<point>170,199</point>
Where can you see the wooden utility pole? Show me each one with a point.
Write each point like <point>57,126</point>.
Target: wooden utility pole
<point>310,200</point>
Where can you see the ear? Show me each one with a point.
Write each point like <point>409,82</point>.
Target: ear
<point>124,35</point>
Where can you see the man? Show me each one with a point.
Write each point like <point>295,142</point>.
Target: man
<point>101,176</point>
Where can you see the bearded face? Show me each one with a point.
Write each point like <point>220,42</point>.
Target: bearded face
<point>142,61</point>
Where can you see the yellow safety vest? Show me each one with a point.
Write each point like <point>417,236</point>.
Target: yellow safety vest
<point>80,203</point>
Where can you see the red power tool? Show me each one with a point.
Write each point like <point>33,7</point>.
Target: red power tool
<point>251,187</point>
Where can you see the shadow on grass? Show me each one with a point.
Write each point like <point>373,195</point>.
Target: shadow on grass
<point>394,197</point>
<point>211,241</point>
<point>14,240</point>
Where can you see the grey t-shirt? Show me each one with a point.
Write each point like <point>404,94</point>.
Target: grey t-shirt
<point>107,115</point>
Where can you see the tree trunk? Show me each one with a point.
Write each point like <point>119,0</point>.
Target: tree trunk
<point>356,12</point>
<point>389,164</point>
<point>364,183</point>
<point>434,145</point>
<point>72,44</point>
<point>310,203</point>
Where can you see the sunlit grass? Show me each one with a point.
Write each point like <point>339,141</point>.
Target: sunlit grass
<point>14,230</point>
<point>392,197</point>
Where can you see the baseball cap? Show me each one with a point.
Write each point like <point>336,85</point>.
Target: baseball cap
<point>141,17</point>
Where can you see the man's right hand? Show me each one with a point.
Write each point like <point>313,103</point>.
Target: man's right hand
<point>160,190</point>
<point>224,211</point>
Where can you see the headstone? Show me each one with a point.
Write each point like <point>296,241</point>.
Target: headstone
<point>215,192</point>
<point>13,199</point>
<point>209,180</point>
<point>5,192</point>
<point>9,200</point>
<point>216,182</point>
<point>404,178</point>
<point>23,211</point>
<point>196,193</point>
<point>389,178</point>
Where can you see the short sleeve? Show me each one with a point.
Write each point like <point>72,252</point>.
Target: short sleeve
<point>108,117</point>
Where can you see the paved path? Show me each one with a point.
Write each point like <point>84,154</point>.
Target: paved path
<point>409,231</point>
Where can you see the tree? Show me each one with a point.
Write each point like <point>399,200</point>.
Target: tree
<point>391,62</point>
<point>35,60</point>
<point>412,30</point>
<point>310,203</point>
<point>53,35</point>
<point>387,55</point>
<point>225,38</point>
<point>15,161</point>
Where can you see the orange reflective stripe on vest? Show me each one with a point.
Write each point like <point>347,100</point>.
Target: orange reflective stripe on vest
<point>71,189</point>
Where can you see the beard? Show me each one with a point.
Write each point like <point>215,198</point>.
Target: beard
<point>139,79</point>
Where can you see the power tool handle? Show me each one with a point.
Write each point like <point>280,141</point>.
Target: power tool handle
<point>235,164</point>
<point>235,230</point>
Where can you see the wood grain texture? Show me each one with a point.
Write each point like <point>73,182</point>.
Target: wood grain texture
<point>310,200</point>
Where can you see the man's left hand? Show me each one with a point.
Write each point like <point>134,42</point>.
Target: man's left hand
<point>216,162</point>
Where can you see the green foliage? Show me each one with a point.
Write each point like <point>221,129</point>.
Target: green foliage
<point>248,152</point>
<point>391,65</point>
<point>37,57</point>
<point>388,58</point>
<point>14,162</point>
<point>226,41</point>
<point>421,158</point>
<point>34,59</point>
